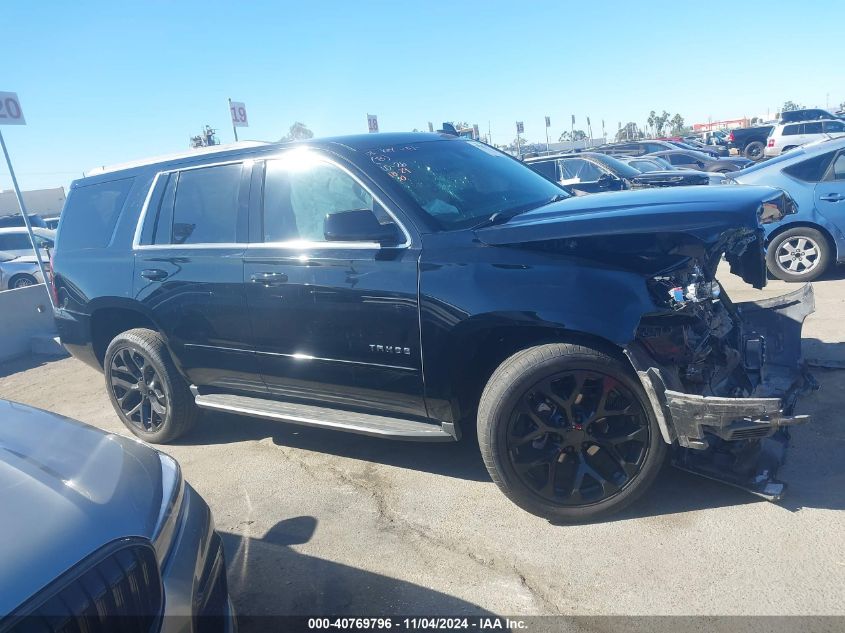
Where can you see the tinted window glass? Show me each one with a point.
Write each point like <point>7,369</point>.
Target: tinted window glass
<point>838,168</point>
<point>814,127</point>
<point>164,218</point>
<point>16,242</point>
<point>206,207</point>
<point>833,126</point>
<point>578,170</point>
<point>91,212</point>
<point>810,170</point>
<point>547,168</point>
<point>790,130</point>
<point>680,159</point>
<point>298,197</point>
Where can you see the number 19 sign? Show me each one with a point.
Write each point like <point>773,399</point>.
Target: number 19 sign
<point>10,109</point>
<point>238,111</point>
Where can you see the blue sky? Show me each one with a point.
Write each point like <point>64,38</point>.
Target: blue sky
<point>106,82</point>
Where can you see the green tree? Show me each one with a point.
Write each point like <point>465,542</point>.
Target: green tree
<point>629,131</point>
<point>790,106</point>
<point>660,123</point>
<point>297,132</point>
<point>677,124</point>
<point>652,120</point>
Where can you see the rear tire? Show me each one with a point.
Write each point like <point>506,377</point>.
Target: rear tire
<point>149,395</point>
<point>568,434</point>
<point>799,255</point>
<point>754,150</point>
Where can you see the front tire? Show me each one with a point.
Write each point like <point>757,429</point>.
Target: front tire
<point>799,255</point>
<point>22,281</point>
<point>149,395</point>
<point>567,433</point>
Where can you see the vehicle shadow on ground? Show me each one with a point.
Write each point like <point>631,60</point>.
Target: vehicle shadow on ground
<point>814,472</point>
<point>25,363</point>
<point>268,577</point>
<point>461,460</point>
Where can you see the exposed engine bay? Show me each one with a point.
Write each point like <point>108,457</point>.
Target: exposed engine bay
<point>722,378</point>
<point>727,375</point>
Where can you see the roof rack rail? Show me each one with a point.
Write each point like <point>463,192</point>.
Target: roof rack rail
<point>199,151</point>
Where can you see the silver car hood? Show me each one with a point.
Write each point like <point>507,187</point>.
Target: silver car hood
<point>66,489</point>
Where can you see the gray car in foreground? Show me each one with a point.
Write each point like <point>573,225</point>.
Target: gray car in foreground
<point>100,532</point>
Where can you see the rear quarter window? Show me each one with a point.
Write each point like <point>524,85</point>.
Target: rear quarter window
<point>91,213</point>
<point>810,170</point>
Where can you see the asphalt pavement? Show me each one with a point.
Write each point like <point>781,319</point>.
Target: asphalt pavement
<point>321,522</point>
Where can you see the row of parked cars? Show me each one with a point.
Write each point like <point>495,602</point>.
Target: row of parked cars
<point>801,248</point>
<point>402,286</point>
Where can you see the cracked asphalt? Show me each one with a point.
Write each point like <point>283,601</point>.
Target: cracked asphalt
<point>318,522</point>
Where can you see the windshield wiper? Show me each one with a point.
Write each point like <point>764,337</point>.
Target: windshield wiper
<point>500,217</point>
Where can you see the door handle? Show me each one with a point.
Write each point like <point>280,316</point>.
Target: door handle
<point>832,197</point>
<point>154,274</point>
<point>269,279</point>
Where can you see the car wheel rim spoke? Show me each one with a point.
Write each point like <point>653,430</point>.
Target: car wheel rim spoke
<point>577,438</point>
<point>798,255</point>
<point>138,390</point>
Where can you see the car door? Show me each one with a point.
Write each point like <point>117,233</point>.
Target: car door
<point>189,272</point>
<point>830,192</point>
<point>333,322</point>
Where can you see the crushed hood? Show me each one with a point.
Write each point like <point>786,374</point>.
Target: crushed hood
<point>663,220</point>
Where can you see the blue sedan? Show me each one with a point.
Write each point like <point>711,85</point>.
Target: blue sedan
<point>805,244</point>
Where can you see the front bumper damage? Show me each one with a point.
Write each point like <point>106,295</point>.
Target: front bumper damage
<point>740,441</point>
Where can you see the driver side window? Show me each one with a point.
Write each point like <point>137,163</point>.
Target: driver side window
<point>297,199</point>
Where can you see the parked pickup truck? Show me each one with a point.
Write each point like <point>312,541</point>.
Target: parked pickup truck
<point>421,286</point>
<point>750,141</point>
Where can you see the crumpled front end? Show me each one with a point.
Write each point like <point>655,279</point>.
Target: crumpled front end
<point>724,379</point>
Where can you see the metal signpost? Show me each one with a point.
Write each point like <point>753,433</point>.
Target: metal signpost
<point>520,129</point>
<point>238,111</point>
<point>548,123</point>
<point>12,114</point>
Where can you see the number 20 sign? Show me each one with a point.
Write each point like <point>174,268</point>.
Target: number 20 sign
<point>238,111</point>
<point>10,109</point>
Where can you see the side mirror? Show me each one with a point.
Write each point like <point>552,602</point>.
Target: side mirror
<point>359,225</point>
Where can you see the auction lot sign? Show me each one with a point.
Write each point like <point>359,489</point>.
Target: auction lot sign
<point>10,109</point>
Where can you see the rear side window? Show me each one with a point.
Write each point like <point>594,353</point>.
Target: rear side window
<point>205,209</point>
<point>839,168</point>
<point>91,213</point>
<point>15,242</point>
<point>790,130</point>
<point>813,128</point>
<point>546,168</point>
<point>810,170</point>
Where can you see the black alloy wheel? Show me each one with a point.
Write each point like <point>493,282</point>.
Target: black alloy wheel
<point>568,433</point>
<point>138,389</point>
<point>578,437</point>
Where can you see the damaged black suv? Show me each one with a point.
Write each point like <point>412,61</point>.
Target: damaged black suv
<point>417,286</point>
